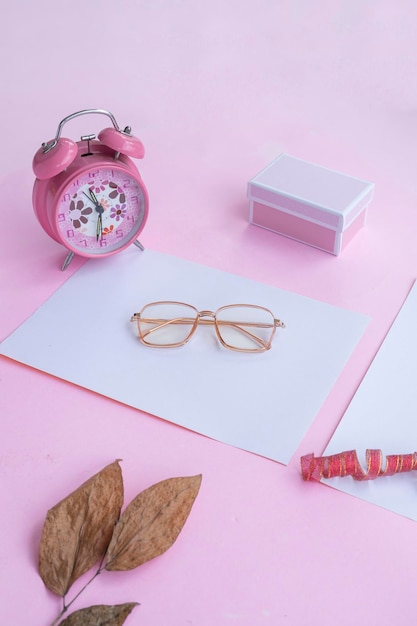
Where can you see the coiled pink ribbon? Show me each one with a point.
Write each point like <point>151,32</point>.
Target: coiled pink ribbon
<point>347,464</point>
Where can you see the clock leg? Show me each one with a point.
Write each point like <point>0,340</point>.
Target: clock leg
<point>67,261</point>
<point>139,245</point>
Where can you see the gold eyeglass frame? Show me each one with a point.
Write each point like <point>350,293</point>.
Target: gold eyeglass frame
<point>207,317</point>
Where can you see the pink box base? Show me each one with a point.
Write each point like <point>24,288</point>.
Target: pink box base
<point>293,226</point>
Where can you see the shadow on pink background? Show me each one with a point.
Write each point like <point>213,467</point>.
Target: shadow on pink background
<point>215,91</point>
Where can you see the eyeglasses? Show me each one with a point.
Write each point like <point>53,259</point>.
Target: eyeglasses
<point>241,327</point>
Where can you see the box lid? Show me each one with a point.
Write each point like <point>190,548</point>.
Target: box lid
<point>320,194</point>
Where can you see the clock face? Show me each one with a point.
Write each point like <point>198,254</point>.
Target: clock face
<point>101,211</point>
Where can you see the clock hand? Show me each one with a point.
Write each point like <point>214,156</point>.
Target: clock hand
<point>99,231</point>
<point>93,198</point>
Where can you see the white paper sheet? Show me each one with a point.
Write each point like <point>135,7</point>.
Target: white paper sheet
<point>383,415</point>
<point>263,403</point>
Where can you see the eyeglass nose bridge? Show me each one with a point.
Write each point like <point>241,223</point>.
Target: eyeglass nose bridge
<point>208,318</point>
<point>202,314</point>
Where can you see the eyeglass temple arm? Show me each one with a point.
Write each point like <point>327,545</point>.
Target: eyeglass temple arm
<point>244,331</point>
<point>160,322</point>
<point>184,320</point>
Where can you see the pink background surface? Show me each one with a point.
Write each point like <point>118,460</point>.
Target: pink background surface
<point>215,90</point>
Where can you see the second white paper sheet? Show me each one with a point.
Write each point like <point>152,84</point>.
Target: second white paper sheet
<point>383,415</point>
<point>263,403</point>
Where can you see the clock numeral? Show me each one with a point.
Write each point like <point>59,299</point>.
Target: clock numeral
<point>134,199</point>
<point>119,233</point>
<point>66,197</point>
<point>61,217</point>
<point>70,233</point>
<point>103,243</point>
<point>93,174</point>
<point>127,182</point>
<point>83,242</point>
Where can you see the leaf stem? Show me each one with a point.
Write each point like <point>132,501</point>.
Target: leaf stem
<point>67,606</point>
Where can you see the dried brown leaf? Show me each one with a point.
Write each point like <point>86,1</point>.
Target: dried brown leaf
<point>100,615</point>
<point>78,529</point>
<point>152,522</point>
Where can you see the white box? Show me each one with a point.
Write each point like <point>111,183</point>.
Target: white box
<point>310,203</point>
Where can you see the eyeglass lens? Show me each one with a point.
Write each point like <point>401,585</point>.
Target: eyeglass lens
<point>248,328</point>
<point>167,323</point>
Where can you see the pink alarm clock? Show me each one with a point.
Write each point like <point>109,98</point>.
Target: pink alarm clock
<point>88,195</point>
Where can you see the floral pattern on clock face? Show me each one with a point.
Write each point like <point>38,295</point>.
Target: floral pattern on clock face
<point>101,210</point>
